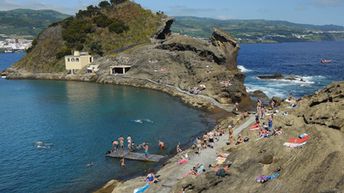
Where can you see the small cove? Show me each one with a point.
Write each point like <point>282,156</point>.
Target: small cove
<point>54,134</point>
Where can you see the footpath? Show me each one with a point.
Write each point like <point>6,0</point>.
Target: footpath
<point>172,173</point>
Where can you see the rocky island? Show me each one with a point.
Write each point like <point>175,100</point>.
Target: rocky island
<point>176,64</point>
<point>204,74</point>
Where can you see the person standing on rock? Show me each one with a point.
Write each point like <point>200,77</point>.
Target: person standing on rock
<point>146,148</point>
<point>130,141</point>
<point>270,123</point>
<point>121,142</point>
<point>114,145</point>
<point>230,134</point>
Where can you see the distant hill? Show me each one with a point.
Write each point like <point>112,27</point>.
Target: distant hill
<point>252,31</point>
<point>27,21</point>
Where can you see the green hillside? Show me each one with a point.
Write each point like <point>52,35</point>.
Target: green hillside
<point>252,31</point>
<point>101,30</point>
<point>27,21</point>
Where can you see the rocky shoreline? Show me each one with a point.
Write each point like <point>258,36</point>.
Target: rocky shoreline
<point>318,164</point>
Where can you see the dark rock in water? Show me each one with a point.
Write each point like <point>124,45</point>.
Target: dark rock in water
<point>273,76</point>
<point>258,94</point>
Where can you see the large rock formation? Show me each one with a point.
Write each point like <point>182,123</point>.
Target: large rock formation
<point>168,62</point>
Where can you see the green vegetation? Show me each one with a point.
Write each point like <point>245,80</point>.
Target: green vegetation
<point>23,22</point>
<point>252,31</point>
<point>102,30</point>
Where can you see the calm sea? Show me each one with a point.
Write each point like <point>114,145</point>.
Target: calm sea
<point>292,59</point>
<point>54,134</point>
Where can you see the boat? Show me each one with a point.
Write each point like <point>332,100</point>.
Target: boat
<point>324,61</point>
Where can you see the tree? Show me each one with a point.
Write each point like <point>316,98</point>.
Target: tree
<point>118,27</point>
<point>96,47</point>
<point>116,2</point>
<point>104,4</point>
<point>102,21</point>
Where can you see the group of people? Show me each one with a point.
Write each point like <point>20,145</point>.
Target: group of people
<point>208,139</point>
<point>119,145</point>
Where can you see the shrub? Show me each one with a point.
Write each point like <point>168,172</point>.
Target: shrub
<point>96,48</point>
<point>102,21</point>
<point>118,27</point>
<point>116,2</point>
<point>75,33</point>
<point>104,4</point>
<point>63,52</point>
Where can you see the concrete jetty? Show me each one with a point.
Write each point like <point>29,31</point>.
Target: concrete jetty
<point>134,156</point>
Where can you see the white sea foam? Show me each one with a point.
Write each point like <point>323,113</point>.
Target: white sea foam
<point>298,80</point>
<point>269,91</point>
<point>141,121</point>
<point>42,145</point>
<point>138,121</point>
<point>243,69</point>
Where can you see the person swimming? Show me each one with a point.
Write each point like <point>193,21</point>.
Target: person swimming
<point>161,145</point>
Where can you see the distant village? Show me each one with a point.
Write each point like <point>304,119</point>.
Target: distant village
<point>11,44</point>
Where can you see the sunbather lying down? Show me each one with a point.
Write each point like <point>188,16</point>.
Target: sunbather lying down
<point>196,170</point>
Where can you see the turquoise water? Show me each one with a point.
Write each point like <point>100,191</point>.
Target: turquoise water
<point>76,123</point>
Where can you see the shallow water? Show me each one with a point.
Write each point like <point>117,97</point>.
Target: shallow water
<point>300,59</point>
<point>54,133</point>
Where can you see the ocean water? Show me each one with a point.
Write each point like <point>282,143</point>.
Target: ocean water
<point>54,134</point>
<point>296,59</point>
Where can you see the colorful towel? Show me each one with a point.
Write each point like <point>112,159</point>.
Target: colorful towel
<point>254,127</point>
<point>294,145</point>
<point>301,139</point>
<point>142,189</point>
<point>263,179</point>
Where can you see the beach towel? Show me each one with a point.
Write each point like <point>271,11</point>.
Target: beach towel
<point>301,139</point>
<point>142,189</point>
<point>183,161</point>
<point>254,127</point>
<point>294,145</point>
<point>263,179</point>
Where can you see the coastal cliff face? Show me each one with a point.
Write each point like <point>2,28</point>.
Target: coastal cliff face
<point>177,64</point>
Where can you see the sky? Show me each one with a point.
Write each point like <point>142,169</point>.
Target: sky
<point>299,11</point>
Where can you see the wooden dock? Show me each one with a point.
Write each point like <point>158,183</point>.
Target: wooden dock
<point>135,156</point>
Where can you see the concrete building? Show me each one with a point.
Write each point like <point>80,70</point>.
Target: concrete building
<point>77,61</point>
<point>120,69</point>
